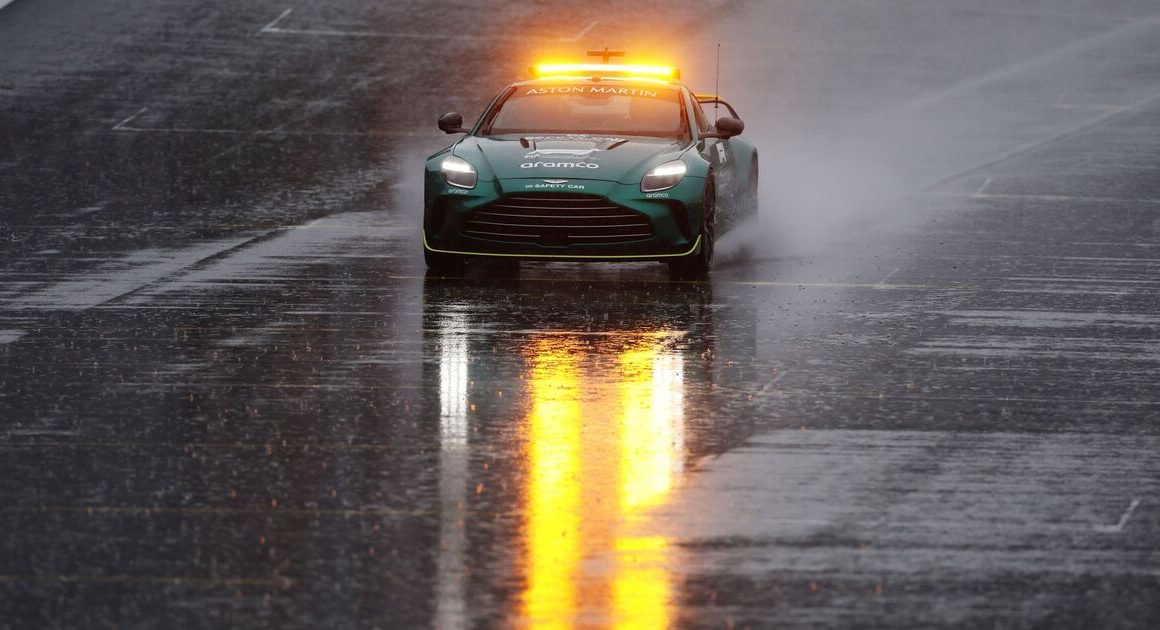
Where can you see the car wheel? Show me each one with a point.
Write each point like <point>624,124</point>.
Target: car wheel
<point>701,261</point>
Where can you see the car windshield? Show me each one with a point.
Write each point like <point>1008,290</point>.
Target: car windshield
<point>589,109</point>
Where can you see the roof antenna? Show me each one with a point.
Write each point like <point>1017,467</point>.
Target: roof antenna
<point>717,87</point>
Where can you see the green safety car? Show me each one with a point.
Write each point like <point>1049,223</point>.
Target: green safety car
<point>590,162</point>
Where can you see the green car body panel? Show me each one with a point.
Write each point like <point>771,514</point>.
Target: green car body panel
<point>568,187</point>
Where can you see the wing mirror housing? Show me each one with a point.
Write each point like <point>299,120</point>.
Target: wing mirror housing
<point>452,122</point>
<point>727,127</point>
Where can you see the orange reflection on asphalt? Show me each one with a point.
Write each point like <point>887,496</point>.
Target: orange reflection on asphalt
<point>605,444</point>
<point>553,508</point>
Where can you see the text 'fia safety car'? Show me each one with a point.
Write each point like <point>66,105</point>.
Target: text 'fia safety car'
<point>592,161</point>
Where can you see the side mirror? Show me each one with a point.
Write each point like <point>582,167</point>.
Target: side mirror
<point>452,122</point>
<point>727,127</point>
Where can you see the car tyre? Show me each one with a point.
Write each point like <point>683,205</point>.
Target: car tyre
<point>700,262</point>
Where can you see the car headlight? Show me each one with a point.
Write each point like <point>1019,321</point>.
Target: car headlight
<point>664,176</point>
<point>458,172</point>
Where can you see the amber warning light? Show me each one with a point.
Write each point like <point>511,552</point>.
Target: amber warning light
<point>643,71</point>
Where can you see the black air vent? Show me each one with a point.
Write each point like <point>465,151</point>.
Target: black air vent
<point>557,219</point>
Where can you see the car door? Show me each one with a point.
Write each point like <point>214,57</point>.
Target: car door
<point>720,154</point>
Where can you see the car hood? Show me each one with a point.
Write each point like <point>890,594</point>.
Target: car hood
<point>622,159</point>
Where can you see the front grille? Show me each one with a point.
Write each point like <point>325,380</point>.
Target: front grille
<point>557,219</point>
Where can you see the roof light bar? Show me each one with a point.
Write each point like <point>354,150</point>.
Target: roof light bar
<point>605,69</point>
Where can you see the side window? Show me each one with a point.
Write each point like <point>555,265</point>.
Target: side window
<point>699,114</point>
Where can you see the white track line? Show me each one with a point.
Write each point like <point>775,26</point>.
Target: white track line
<point>1032,64</point>
<point>4,3</point>
<point>398,133</point>
<point>273,27</point>
<point>9,335</point>
<point>887,277</point>
<point>269,28</point>
<point>121,125</point>
<point>583,32</point>
<point>1119,526</point>
<point>388,133</point>
<point>771,383</point>
<point>1023,197</point>
<point>1027,147</point>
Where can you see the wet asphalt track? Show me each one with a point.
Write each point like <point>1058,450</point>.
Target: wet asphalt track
<point>229,394</point>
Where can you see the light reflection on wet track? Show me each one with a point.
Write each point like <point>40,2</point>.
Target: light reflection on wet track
<point>230,394</point>
<point>604,444</point>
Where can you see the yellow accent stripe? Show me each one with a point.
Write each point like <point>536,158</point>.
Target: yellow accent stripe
<point>571,256</point>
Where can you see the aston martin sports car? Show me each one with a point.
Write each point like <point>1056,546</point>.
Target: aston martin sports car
<point>590,162</point>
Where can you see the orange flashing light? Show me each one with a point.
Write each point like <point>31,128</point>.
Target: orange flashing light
<point>635,71</point>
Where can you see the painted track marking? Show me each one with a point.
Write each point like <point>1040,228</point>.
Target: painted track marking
<point>1031,145</point>
<point>273,28</point>
<point>10,335</point>
<point>1032,64</point>
<point>269,28</point>
<point>398,133</point>
<point>1119,526</point>
<point>122,126</point>
<point>887,277</point>
<point>1044,198</point>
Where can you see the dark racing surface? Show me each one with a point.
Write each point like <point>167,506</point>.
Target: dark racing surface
<point>922,390</point>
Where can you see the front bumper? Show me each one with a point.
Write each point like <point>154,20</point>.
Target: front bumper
<point>574,220</point>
